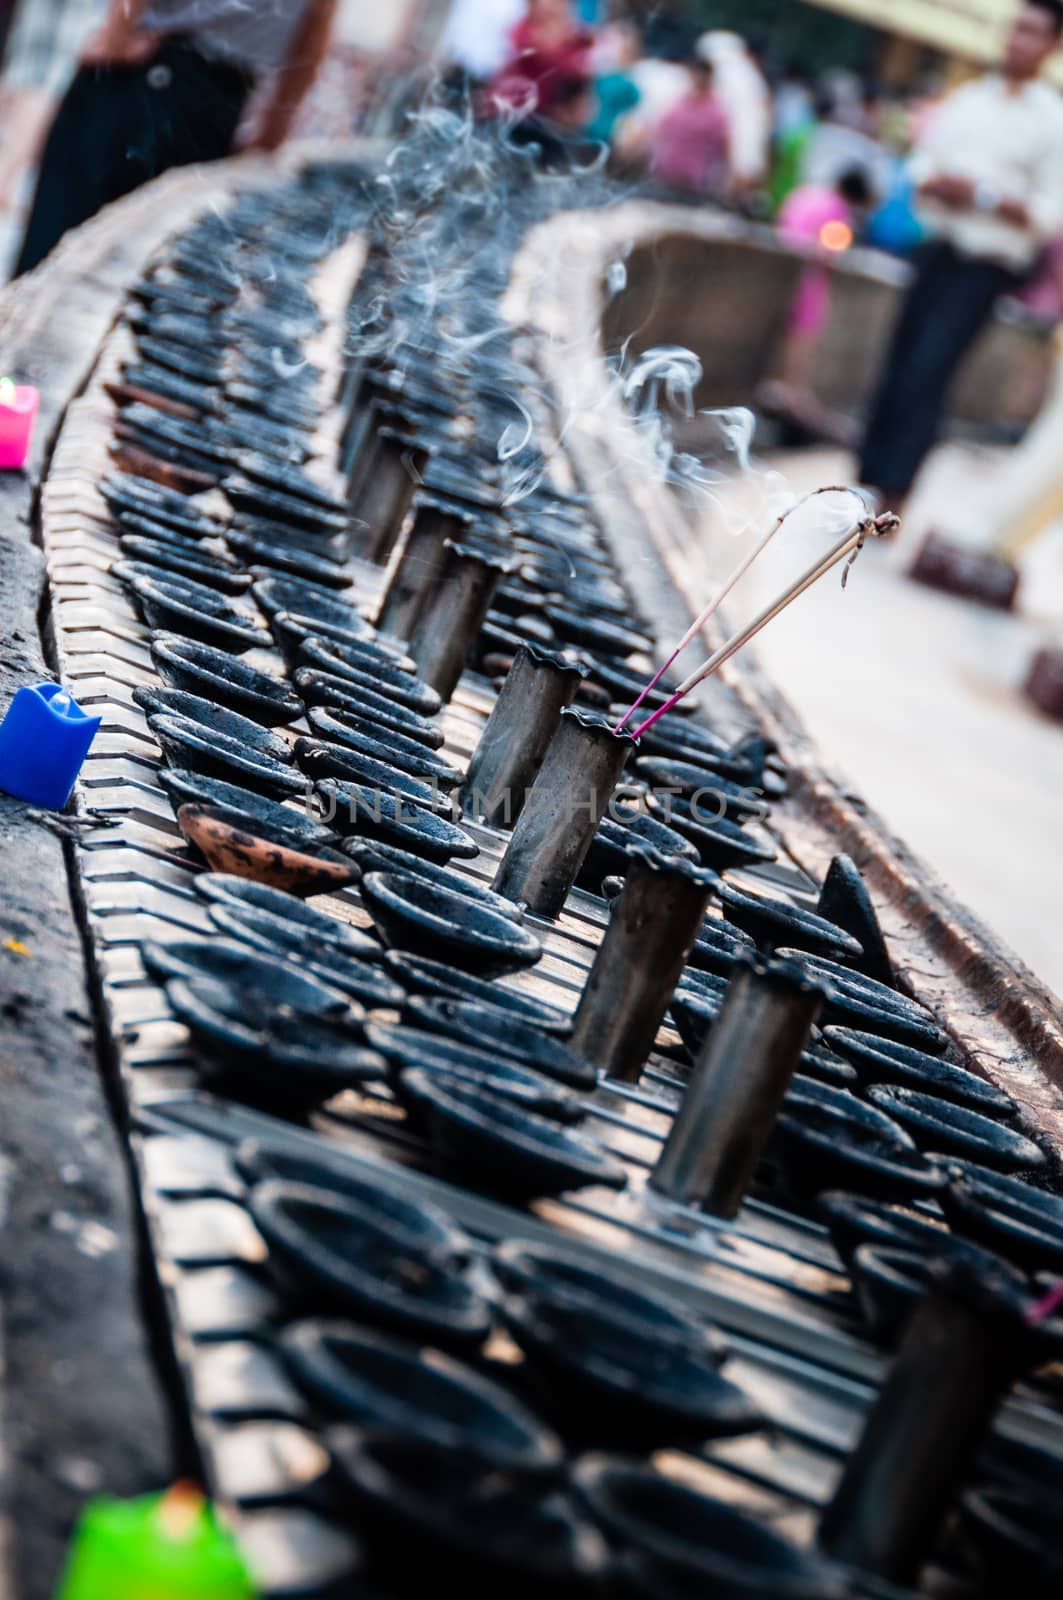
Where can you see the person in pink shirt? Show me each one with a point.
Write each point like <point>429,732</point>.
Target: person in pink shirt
<point>691,146</point>
<point>822,222</point>
<point>825,220</point>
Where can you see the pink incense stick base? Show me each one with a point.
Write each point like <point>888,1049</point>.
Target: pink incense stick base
<point>18,414</point>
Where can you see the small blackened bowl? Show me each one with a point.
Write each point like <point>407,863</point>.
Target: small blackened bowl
<point>515,1152</point>
<point>424,919</point>
<point>377,1380</point>
<point>488,1530</point>
<point>214,674</point>
<point>355,1260</point>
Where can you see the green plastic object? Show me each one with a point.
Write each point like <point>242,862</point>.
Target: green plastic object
<point>162,1547</point>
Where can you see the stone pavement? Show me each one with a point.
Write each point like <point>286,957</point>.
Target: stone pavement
<point>12,227</point>
<point>914,697</point>
<point>10,237</point>
<point>84,1404</point>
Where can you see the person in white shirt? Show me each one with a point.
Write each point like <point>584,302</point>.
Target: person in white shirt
<point>843,141</point>
<point>989,176</point>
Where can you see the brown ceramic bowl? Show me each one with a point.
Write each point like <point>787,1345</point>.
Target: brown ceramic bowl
<point>284,865</point>
<point>141,463</point>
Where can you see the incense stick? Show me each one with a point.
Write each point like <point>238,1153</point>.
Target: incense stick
<point>850,545</point>
<point>721,595</point>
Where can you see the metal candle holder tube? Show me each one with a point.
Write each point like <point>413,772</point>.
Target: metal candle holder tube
<point>354,442</point>
<point>740,1078</point>
<point>416,571</point>
<point>454,613</point>
<point>362,470</point>
<point>963,1348</point>
<point>382,401</point>
<point>506,762</point>
<point>651,931</point>
<point>359,441</point>
<point>397,469</point>
<point>348,397</point>
<point>567,801</point>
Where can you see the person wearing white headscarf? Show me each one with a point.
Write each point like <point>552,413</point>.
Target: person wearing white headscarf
<point>743,92</point>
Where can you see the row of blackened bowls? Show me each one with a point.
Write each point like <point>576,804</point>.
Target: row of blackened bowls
<point>351,650</point>
<point>479,1457</point>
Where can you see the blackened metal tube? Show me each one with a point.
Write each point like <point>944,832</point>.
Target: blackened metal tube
<point>348,395</point>
<point>360,444</point>
<point>420,557</point>
<point>380,402</point>
<point>454,614</point>
<point>506,762</point>
<point>965,1344</point>
<point>740,1078</point>
<point>567,801</point>
<point>651,931</point>
<point>397,470</point>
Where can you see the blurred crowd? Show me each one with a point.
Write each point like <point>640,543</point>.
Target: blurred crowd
<point>712,115</point>
<point>964,178</point>
<point>715,117</point>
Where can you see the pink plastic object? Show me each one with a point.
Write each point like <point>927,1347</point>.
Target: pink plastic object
<point>18,413</point>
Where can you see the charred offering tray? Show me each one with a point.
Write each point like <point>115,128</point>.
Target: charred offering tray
<point>799,1354</point>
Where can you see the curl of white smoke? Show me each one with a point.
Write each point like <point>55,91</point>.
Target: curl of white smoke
<point>442,190</point>
<point>444,201</point>
<point>657,389</point>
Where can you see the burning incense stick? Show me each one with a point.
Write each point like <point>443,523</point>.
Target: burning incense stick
<point>849,546</point>
<point>721,595</point>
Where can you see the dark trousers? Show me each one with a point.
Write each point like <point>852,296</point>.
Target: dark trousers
<point>947,305</point>
<point>119,127</point>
